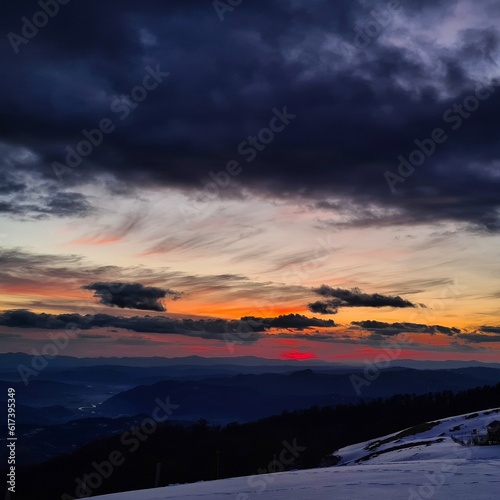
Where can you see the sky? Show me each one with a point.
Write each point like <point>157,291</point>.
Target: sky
<point>287,179</point>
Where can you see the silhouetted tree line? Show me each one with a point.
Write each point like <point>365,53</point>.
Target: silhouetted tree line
<point>183,454</point>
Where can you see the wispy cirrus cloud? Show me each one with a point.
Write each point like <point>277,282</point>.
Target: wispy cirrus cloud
<point>64,275</point>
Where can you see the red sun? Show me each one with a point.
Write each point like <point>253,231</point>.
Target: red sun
<point>297,355</point>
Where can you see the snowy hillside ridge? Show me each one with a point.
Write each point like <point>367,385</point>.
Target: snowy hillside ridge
<point>431,460</point>
<point>435,440</point>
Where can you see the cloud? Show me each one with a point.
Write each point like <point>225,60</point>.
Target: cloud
<point>339,297</point>
<point>382,328</point>
<point>66,204</point>
<point>246,329</point>
<point>52,275</point>
<point>28,194</point>
<point>490,329</point>
<point>479,338</point>
<point>292,321</point>
<point>398,86</point>
<point>483,334</point>
<point>21,318</point>
<point>9,185</point>
<point>131,295</point>
<point>92,336</point>
<point>134,341</point>
<point>322,308</point>
<point>63,204</point>
<point>106,235</point>
<point>9,335</point>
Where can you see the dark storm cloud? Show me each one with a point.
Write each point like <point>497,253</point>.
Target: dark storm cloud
<point>245,329</point>
<point>9,185</point>
<point>92,336</point>
<point>490,329</point>
<point>479,338</point>
<point>319,307</point>
<point>354,116</point>
<point>27,194</point>
<point>57,205</point>
<point>484,334</point>
<point>339,297</point>
<point>21,318</point>
<point>131,295</point>
<point>379,330</point>
<point>66,204</point>
<point>382,328</point>
<point>292,321</point>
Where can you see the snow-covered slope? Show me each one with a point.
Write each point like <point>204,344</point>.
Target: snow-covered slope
<point>426,461</point>
<point>437,440</point>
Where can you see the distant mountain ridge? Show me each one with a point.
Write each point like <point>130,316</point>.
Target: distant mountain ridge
<point>246,397</point>
<point>12,360</point>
